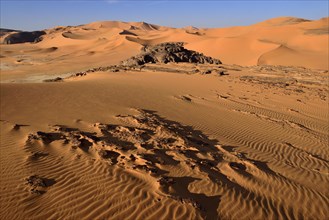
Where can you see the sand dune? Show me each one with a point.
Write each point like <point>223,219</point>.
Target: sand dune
<point>246,139</point>
<point>287,56</point>
<point>106,40</point>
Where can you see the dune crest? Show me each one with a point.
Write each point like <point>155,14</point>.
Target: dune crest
<point>105,40</point>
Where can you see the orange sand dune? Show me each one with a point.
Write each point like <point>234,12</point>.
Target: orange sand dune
<point>103,43</point>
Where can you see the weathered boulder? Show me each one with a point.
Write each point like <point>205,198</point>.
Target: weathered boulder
<point>23,37</point>
<point>167,53</point>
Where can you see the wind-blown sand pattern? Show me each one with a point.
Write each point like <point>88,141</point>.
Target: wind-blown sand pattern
<point>165,141</point>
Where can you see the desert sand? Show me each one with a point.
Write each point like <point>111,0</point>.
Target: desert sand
<point>245,139</point>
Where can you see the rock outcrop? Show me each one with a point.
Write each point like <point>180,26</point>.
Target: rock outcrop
<point>4,31</point>
<point>24,37</point>
<point>169,52</point>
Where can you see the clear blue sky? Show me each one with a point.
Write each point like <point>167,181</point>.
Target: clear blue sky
<point>41,14</point>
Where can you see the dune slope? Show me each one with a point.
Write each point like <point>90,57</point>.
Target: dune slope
<point>109,42</point>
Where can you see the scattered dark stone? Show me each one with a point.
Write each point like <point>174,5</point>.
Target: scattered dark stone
<point>24,37</point>
<point>222,73</point>
<point>205,163</point>
<point>36,181</point>
<point>63,128</point>
<point>151,159</point>
<point>94,138</point>
<point>185,98</point>
<point>37,192</point>
<point>217,156</point>
<point>47,138</point>
<point>165,180</point>
<point>195,204</point>
<point>170,140</point>
<point>146,168</point>
<point>207,72</point>
<point>223,96</point>
<point>31,138</point>
<point>145,136</point>
<point>40,133</point>
<point>147,146</point>
<point>18,126</point>
<point>237,166</point>
<point>131,129</point>
<point>81,74</point>
<point>57,79</point>
<point>190,201</point>
<point>132,157</point>
<point>299,90</point>
<point>84,144</point>
<point>37,155</point>
<point>51,49</point>
<point>108,154</point>
<point>38,184</point>
<point>196,140</point>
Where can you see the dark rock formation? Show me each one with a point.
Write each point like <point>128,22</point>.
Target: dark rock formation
<point>23,37</point>
<point>4,31</point>
<point>57,79</point>
<point>108,154</point>
<point>169,52</point>
<point>38,184</point>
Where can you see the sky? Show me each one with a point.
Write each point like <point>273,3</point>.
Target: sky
<point>42,14</point>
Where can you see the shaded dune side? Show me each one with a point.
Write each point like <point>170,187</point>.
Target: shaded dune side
<point>146,41</point>
<point>284,55</point>
<point>148,27</point>
<point>74,36</point>
<point>126,32</point>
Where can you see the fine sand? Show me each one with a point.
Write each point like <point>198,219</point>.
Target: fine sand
<point>166,141</point>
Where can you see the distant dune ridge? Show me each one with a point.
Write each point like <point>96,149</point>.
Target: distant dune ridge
<point>278,41</point>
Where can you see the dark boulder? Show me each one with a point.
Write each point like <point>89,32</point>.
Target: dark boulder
<point>24,37</point>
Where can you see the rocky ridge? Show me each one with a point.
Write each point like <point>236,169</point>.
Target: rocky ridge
<point>170,52</point>
<point>24,37</point>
